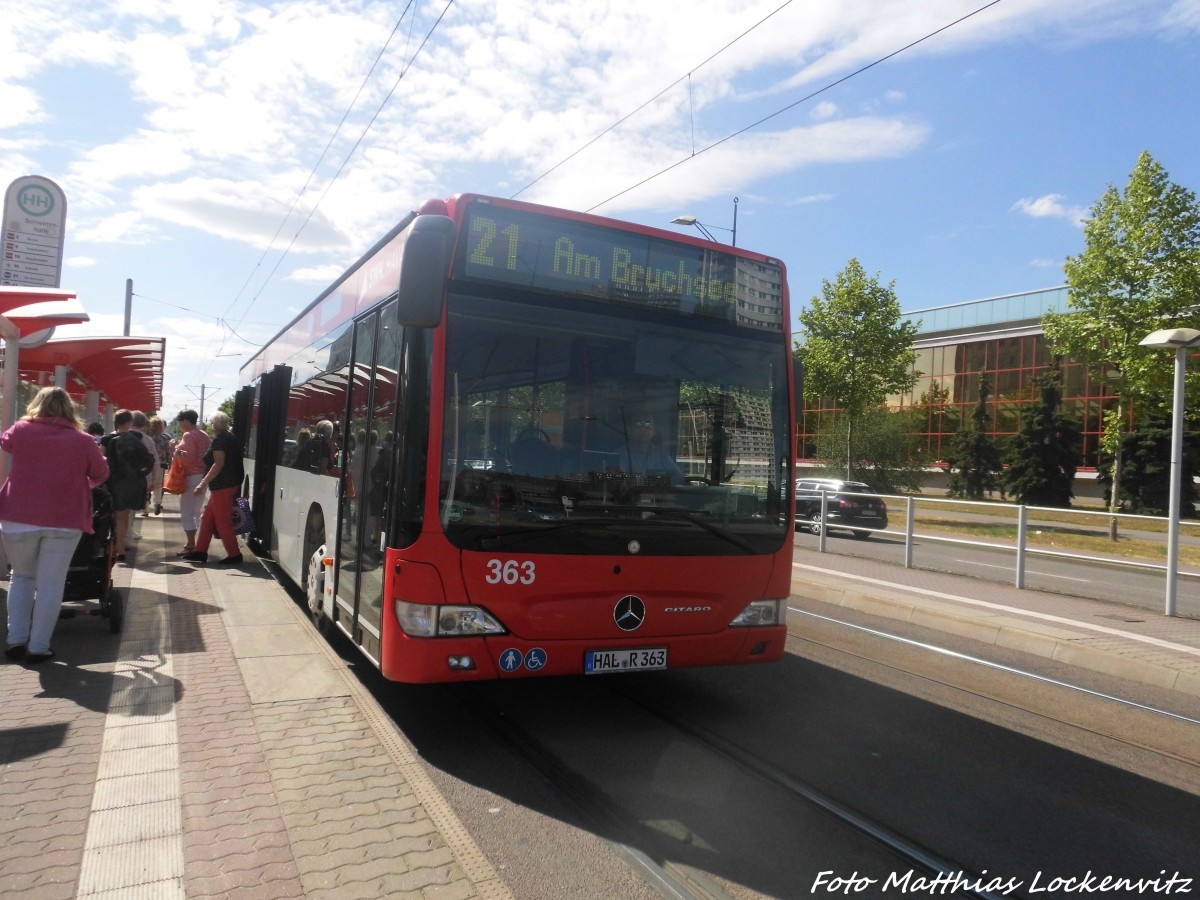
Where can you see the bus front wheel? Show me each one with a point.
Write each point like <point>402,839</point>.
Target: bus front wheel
<point>314,574</point>
<point>314,589</point>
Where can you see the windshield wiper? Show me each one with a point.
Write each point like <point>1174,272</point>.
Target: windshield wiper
<point>639,516</point>
<point>694,517</point>
<point>663,517</point>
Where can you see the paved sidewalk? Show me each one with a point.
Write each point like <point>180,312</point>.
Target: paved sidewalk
<point>217,747</point>
<point>1123,641</point>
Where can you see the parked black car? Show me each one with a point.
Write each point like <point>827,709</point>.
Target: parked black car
<point>850,505</point>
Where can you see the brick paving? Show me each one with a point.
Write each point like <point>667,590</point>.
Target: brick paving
<point>168,761</point>
<point>235,841</point>
<point>357,831</point>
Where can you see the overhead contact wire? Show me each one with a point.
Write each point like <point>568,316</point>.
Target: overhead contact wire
<point>792,105</point>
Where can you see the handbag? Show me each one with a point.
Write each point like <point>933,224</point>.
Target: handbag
<point>243,521</point>
<point>175,481</point>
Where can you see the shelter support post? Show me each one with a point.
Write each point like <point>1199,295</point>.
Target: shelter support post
<point>91,406</point>
<point>8,400</point>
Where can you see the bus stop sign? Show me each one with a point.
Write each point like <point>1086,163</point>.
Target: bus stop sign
<point>35,216</point>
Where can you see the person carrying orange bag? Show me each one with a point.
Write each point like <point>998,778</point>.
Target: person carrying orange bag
<point>175,481</point>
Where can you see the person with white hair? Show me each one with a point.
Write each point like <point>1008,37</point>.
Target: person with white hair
<point>223,480</point>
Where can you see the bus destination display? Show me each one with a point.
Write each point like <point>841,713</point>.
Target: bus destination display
<point>561,255</point>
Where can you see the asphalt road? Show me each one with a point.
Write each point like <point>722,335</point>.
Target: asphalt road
<point>565,782</point>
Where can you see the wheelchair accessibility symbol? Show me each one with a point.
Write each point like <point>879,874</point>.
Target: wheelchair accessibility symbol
<point>510,660</point>
<point>535,659</point>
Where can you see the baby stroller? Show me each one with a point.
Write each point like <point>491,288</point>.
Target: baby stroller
<point>90,574</point>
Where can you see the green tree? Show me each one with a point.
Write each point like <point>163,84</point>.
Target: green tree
<point>886,454</point>
<point>1146,471</point>
<point>1139,271</point>
<point>974,457</point>
<point>855,349</point>
<point>1046,451</point>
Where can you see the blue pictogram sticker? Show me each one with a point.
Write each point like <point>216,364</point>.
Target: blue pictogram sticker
<point>510,660</point>
<point>535,659</point>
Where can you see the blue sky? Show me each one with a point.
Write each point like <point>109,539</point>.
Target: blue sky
<point>182,133</point>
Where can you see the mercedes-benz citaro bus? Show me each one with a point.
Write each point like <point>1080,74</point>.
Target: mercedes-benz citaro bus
<point>553,443</point>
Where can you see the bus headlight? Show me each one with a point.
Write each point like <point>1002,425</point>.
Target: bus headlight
<point>428,620</point>
<point>761,612</point>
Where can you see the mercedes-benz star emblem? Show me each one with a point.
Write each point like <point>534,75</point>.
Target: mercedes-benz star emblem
<point>629,613</point>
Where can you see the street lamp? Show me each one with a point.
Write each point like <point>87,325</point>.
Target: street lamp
<point>1180,340</point>
<point>693,222</point>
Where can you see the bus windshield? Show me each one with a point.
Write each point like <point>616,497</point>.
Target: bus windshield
<point>571,428</point>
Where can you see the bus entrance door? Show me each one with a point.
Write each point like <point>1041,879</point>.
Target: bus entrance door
<point>366,458</point>
<point>265,439</point>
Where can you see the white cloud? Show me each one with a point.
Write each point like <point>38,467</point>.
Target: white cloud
<point>1051,206</point>
<point>142,156</point>
<point>216,113</point>
<point>19,105</point>
<point>237,210</point>
<point>320,275</point>
<point>810,198</point>
<point>725,168</point>
<point>233,105</point>
<point>97,325</point>
<point>127,227</point>
<point>1182,16</point>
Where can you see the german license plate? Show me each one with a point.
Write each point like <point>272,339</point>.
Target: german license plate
<point>645,659</point>
<point>868,514</point>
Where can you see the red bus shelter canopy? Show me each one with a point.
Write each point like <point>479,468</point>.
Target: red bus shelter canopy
<point>28,315</point>
<point>127,371</point>
<point>33,309</point>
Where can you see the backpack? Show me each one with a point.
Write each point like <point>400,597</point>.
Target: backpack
<point>114,464</point>
<point>130,454</point>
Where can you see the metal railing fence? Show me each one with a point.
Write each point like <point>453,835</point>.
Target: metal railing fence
<point>1017,517</point>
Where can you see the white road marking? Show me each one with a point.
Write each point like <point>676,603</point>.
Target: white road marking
<point>983,604</point>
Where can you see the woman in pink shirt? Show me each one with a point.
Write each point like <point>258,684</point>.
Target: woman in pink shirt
<point>191,449</point>
<point>45,505</point>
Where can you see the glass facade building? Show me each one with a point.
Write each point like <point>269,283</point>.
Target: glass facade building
<point>1003,337</point>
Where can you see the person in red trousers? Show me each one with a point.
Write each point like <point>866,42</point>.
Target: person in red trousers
<point>223,480</point>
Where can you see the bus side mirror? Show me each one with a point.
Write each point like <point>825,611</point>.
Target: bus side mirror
<point>424,270</point>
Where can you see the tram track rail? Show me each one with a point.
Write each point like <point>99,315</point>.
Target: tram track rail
<point>676,880</point>
<point>669,880</point>
<point>1112,734</point>
<point>642,849</point>
<point>918,856</point>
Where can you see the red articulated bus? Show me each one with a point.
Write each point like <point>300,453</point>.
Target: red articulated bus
<point>553,444</point>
